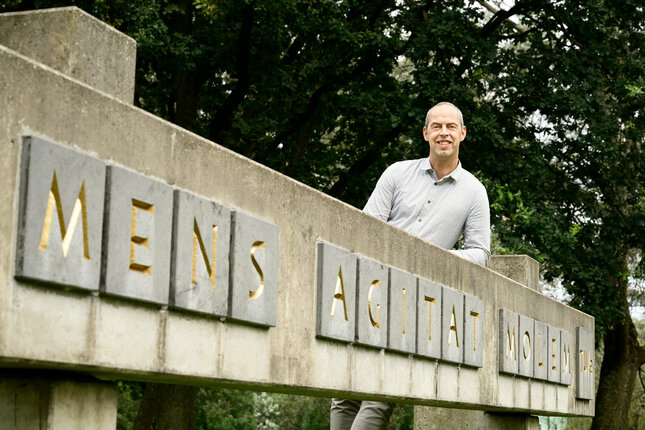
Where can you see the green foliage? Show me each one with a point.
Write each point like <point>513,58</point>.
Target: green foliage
<point>130,394</point>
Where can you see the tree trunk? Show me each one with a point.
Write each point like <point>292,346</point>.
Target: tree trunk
<point>622,358</point>
<point>166,407</point>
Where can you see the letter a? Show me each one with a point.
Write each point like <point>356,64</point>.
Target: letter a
<point>339,294</point>
<point>453,328</point>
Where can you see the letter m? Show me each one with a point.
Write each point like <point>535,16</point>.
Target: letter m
<point>79,212</point>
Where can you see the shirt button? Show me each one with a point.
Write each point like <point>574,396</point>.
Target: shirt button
<point>419,220</point>
<point>436,183</point>
<point>429,201</point>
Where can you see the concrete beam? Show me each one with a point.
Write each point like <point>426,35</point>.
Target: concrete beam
<point>46,324</point>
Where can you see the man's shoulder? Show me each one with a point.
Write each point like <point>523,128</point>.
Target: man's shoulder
<point>471,180</point>
<point>407,164</point>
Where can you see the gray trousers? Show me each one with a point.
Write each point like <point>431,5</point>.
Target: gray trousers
<point>359,415</point>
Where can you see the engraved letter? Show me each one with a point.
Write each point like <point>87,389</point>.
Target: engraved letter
<point>403,325</point>
<point>197,239</point>
<point>526,350</point>
<point>339,294</point>
<point>431,301</point>
<point>257,293</point>
<point>553,356</point>
<point>566,357</point>
<point>136,240</point>
<point>539,354</point>
<point>376,323</point>
<point>475,316</point>
<point>453,327</point>
<point>66,232</point>
<point>510,343</point>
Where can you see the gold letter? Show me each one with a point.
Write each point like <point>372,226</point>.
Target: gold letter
<point>553,356</point>
<point>257,293</point>
<point>475,315</point>
<point>566,356</point>
<point>430,301</point>
<point>376,323</point>
<point>339,294</point>
<point>66,233</point>
<point>510,343</point>
<point>137,240</point>
<point>539,354</point>
<point>453,327</point>
<point>524,349</point>
<point>197,239</point>
<point>403,331</point>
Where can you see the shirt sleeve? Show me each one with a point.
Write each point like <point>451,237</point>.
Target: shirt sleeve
<point>380,202</point>
<point>477,230</point>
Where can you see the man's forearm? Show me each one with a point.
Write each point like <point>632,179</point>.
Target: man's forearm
<point>475,255</point>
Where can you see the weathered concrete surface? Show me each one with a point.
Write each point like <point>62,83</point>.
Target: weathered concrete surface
<point>57,404</point>
<point>520,268</point>
<point>76,44</point>
<point>441,419</point>
<point>76,330</point>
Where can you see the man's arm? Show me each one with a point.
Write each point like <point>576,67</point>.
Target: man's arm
<point>477,230</point>
<point>379,204</point>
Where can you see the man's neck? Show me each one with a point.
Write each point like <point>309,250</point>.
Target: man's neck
<point>443,168</point>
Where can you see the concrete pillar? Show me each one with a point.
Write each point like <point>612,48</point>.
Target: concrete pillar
<point>75,44</point>
<point>520,268</point>
<point>57,402</point>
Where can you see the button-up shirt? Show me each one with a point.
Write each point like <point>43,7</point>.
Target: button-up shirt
<point>409,196</point>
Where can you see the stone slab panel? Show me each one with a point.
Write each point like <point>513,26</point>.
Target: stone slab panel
<point>138,240</point>
<point>254,270</point>
<point>60,224</point>
<point>452,326</point>
<point>473,331</point>
<point>508,341</point>
<point>336,299</point>
<point>128,335</point>
<point>540,350</point>
<point>585,366</point>
<point>525,349</point>
<point>553,368</point>
<point>566,357</point>
<point>372,300</point>
<point>429,319</point>
<point>191,345</point>
<point>448,381</point>
<point>402,330</point>
<point>201,232</point>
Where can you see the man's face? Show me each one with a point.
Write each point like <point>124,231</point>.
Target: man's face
<point>444,133</point>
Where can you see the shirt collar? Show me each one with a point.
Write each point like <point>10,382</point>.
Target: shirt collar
<point>455,174</point>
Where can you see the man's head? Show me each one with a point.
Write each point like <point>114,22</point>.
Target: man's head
<point>444,130</point>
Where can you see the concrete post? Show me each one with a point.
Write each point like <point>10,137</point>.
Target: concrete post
<point>56,402</point>
<point>522,269</point>
<point>75,44</point>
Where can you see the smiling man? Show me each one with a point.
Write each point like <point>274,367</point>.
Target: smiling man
<point>433,198</point>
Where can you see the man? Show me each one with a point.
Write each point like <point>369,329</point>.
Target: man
<point>437,200</point>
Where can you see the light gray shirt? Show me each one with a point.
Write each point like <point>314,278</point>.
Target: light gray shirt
<point>409,197</point>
